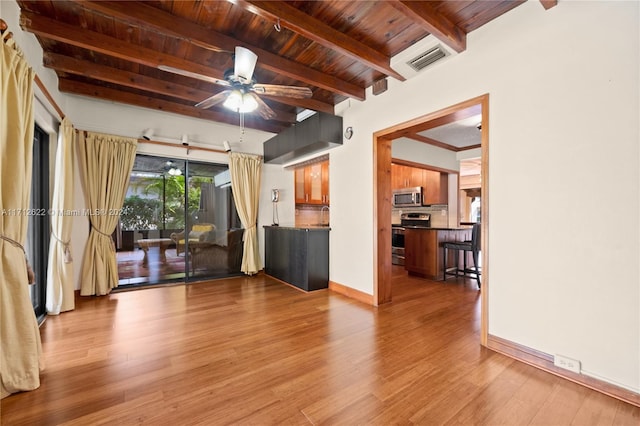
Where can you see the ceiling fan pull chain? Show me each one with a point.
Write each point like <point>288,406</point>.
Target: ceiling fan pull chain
<point>241,126</point>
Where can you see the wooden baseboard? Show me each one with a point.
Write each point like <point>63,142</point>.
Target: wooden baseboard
<point>544,362</point>
<point>351,293</point>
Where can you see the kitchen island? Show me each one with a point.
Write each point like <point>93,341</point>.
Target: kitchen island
<point>298,255</point>
<point>424,252</point>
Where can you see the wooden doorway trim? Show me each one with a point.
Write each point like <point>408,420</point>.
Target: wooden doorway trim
<point>382,140</point>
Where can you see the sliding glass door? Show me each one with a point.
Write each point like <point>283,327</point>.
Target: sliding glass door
<point>178,223</point>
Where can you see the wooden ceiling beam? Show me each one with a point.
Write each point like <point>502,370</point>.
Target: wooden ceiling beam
<point>548,4</point>
<point>426,15</point>
<point>321,33</point>
<point>308,103</point>
<point>146,16</point>
<point>137,81</point>
<point>440,144</point>
<point>434,142</point>
<point>86,89</point>
<point>421,126</point>
<point>74,35</point>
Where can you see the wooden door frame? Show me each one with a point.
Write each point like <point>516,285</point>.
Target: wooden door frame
<point>382,140</point>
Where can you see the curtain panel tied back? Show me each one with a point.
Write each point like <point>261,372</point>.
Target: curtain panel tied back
<point>60,286</point>
<point>20,345</point>
<point>245,172</point>
<point>105,162</point>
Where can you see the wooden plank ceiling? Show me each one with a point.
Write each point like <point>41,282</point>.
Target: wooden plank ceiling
<point>112,49</point>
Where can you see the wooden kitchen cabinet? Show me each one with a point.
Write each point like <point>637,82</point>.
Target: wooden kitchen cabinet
<point>312,184</point>
<point>435,184</point>
<point>325,182</point>
<point>405,176</point>
<point>436,187</point>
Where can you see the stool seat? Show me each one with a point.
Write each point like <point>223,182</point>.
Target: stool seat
<point>472,246</point>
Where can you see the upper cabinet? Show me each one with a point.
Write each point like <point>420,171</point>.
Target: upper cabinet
<point>405,176</point>
<point>312,184</point>
<point>436,187</point>
<point>435,184</point>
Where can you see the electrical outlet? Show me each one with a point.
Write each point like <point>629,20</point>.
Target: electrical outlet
<point>566,363</point>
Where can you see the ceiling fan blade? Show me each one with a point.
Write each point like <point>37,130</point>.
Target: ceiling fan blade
<point>296,92</point>
<point>213,100</point>
<point>263,109</point>
<point>193,75</point>
<point>245,63</point>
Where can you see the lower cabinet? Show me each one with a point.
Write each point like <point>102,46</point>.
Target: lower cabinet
<point>298,256</point>
<point>423,252</point>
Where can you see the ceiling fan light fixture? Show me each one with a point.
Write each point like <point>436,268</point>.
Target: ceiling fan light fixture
<point>233,101</point>
<point>240,102</point>
<point>249,103</point>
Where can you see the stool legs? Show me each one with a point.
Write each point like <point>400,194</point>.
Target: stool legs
<point>475,266</point>
<point>465,269</point>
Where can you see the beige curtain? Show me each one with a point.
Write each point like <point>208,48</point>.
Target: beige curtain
<point>105,167</point>
<point>20,345</point>
<point>60,286</point>
<point>245,181</point>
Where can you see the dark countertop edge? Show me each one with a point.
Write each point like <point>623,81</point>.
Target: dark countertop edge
<point>300,228</point>
<point>426,228</point>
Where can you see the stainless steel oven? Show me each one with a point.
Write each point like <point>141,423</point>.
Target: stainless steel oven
<point>397,245</point>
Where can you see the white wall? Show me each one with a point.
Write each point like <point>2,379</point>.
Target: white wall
<point>420,152</point>
<point>563,141</point>
<point>564,184</point>
<point>564,181</point>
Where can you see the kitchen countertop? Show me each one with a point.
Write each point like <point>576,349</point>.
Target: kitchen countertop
<point>427,228</point>
<point>301,227</point>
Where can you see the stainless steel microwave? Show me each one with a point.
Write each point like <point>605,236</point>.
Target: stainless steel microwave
<point>407,197</point>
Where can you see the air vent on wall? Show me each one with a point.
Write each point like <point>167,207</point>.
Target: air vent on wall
<point>427,58</point>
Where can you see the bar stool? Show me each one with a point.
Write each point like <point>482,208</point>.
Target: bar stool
<point>472,246</point>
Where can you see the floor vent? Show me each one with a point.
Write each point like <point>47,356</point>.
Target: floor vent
<point>427,58</point>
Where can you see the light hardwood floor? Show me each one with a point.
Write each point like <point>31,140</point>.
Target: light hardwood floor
<point>253,351</point>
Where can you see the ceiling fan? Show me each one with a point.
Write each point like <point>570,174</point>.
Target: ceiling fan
<point>243,90</point>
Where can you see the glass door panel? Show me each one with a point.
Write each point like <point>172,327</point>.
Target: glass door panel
<point>315,182</point>
<point>215,237</point>
<point>152,213</point>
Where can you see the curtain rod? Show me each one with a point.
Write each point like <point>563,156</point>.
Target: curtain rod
<point>49,97</point>
<point>6,36</point>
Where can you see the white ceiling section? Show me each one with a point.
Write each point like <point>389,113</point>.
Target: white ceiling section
<point>460,134</point>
